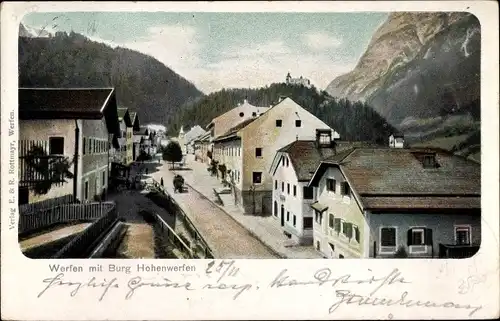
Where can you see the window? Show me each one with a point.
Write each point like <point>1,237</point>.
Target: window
<point>337,222</point>
<point>283,160</point>
<point>239,151</point>
<point>279,122</point>
<point>294,190</point>
<point>84,145</point>
<point>388,236</point>
<point>298,123</point>
<point>282,186</point>
<point>308,193</point>
<point>254,114</point>
<point>287,216</point>
<point>288,188</point>
<point>24,195</point>
<point>294,220</point>
<point>287,162</point>
<point>347,229</point>
<point>103,178</point>
<point>258,152</point>
<point>341,256</point>
<point>275,208</point>
<point>90,145</point>
<point>463,235</point>
<point>324,139</point>
<point>429,161</point>
<point>331,185</point>
<point>318,217</point>
<point>318,246</point>
<point>95,145</point>
<point>242,114</point>
<point>417,237</point>
<point>276,184</point>
<point>346,190</point>
<point>355,230</point>
<point>330,220</point>
<point>308,223</point>
<point>56,145</point>
<point>86,191</point>
<point>257,177</point>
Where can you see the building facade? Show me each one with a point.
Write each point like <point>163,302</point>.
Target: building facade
<point>387,202</point>
<point>71,124</point>
<point>256,142</point>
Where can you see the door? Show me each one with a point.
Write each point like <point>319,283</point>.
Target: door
<point>282,215</point>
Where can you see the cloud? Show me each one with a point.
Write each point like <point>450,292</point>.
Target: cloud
<point>257,64</point>
<point>320,41</point>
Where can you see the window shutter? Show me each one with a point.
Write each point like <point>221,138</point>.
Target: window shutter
<point>428,236</point>
<point>409,240</point>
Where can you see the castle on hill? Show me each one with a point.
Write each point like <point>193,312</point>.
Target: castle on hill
<point>297,81</point>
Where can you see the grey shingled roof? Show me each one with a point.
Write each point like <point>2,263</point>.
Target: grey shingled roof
<point>393,178</point>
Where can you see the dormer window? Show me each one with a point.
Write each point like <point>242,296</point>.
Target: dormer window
<point>324,137</point>
<point>429,161</point>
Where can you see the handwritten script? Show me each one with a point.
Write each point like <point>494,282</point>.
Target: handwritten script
<point>225,277</point>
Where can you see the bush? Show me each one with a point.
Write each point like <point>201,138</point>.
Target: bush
<point>401,253</point>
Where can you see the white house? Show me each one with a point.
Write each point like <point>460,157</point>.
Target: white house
<point>70,123</point>
<point>381,202</point>
<point>243,112</point>
<point>292,169</point>
<point>249,149</point>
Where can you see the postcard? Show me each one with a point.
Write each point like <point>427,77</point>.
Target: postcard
<point>250,160</point>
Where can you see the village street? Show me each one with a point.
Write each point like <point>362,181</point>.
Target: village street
<point>243,236</point>
<point>225,236</point>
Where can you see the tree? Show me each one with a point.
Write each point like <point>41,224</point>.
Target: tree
<point>45,170</point>
<point>172,153</point>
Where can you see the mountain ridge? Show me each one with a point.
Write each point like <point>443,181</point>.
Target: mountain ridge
<point>142,83</point>
<point>402,47</point>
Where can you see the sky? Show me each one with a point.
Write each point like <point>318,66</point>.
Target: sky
<point>230,50</point>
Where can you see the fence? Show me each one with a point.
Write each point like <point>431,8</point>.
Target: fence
<point>173,238</point>
<point>80,246</point>
<point>64,213</point>
<point>169,203</point>
<point>46,204</point>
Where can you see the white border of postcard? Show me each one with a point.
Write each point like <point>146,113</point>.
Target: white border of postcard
<point>448,289</point>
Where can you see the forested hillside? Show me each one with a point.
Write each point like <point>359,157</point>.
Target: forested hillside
<point>142,83</point>
<point>352,120</point>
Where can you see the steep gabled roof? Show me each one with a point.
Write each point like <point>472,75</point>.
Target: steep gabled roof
<point>124,115</point>
<point>69,103</point>
<point>135,121</point>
